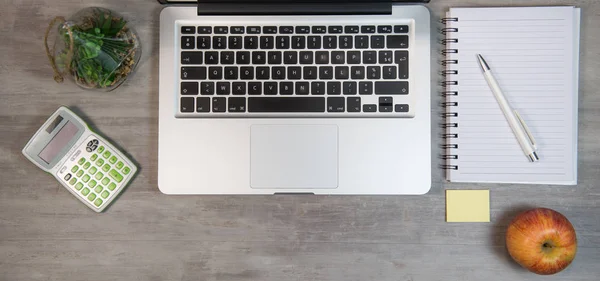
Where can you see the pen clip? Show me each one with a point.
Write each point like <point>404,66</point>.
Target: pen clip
<point>524,126</point>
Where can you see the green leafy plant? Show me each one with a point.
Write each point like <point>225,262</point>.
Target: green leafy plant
<point>104,51</point>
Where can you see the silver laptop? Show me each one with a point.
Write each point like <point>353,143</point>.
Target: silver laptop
<point>293,96</point>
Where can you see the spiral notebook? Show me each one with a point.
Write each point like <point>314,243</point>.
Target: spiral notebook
<point>534,54</point>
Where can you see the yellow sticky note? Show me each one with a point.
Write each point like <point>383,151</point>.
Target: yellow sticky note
<point>467,205</point>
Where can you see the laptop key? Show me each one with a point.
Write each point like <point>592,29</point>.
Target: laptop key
<point>342,72</point>
<point>191,57</point>
<point>204,30</point>
<point>221,29</point>
<point>259,57</point>
<point>239,88</point>
<point>267,42</point>
<point>219,42</point>
<point>215,73</point>
<point>361,42</point>
<point>345,42</point>
<point>400,28</point>
<point>270,88</point>
<point>353,57</point>
<point>336,104</point>
<point>242,57</point>
<point>330,42</point>
<point>365,88</point>
<point>247,73</point>
<point>367,29</point>
<point>290,57</point>
<point>278,73</point>
<point>401,108</point>
<point>401,58</point>
<point>298,42</point>
<point>286,88</point>
<point>370,108</point>
<point>294,73</point>
<point>302,29</point>
<point>263,73</point>
<point>334,88</point>
<point>231,73</point>
<point>223,88</point>
<point>227,57</point>
<point>397,41</point>
<point>236,104</point>
<point>286,29</point>
<point>351,29</point>
<point>208,88</point>
<point>369,57</point>
<point>203,104</point>
<point>283,42</point>
<point>219,104</point>
<point>189,88</point>
<point>314,42</point>
<point>255,88</point>
<point>317,88</point>
<point>193,73</point>
<point>235,42</point>
<point>335,29</point>
<point>253,30</point>
<point>338,57</point>
<point>349,88</point>
<point>384,29</point>
<point>302,88</point>
<point>286,104</point>
<point>270,29</point>
<point>389,72</point>
<point>275,57</point>
<point>186,104</point>
<point>211,58</point>
<point>237,30</point>
<point>377,41</point>
<point>353,104</point>
<point>319,29</point>
<point>203,42</point>
<point>322,57</point>
<point>391,88</point>
<point>306,57</point>
<point>357,72</point>
<point>310,72</point>
<point>187,42</point>
<point>374,72</point>
<point>188,29</point>
<point>251,42</point>
<point>326,72</point>
<point>385,57</point>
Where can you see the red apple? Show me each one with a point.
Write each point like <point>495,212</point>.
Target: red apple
<point>541,240</point>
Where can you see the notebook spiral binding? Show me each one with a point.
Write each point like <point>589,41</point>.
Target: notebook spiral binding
<point>447,84</point>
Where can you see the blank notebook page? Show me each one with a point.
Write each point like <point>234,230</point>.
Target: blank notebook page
<point>533,53</point>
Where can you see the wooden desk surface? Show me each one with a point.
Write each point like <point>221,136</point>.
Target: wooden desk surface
<point>45,234</point>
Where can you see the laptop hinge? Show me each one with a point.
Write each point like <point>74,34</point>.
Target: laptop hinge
<point>370,8</point>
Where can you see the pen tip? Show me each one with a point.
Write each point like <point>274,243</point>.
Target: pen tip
<point>482,63</point>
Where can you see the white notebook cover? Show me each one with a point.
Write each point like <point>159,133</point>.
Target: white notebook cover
<point>534,54</point>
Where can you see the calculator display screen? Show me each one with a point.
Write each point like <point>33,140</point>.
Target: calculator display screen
<point>58,142</point>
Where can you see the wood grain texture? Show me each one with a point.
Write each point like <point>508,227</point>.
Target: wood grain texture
<point>45,234</point>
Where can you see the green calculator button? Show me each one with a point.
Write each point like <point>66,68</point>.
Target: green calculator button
<point>85,178</point>
<point>87,165</point>
<point>100,149</point>
<point>92,196</point>
<point>115,175</point>
<point>106,167</point>
<point>105,194</point>
<point>74,169</point>
<point>92,183</point>
<point>106,154</point>
<point>99,176</point>
<point>112,160</point>
<point>126,170</point>
<point>80,173</point>
<point>119,165</point>
<point>81,161</point>
<point>112,186</point>
<point>85,191</point>
<point>72,181</point>
<point>105,181</point>
<point>93,170</point>
<point>100,162</point>
<point>98,189</point>
<point>98,202</point>
<point>78,186</point>
<point>94,157</point>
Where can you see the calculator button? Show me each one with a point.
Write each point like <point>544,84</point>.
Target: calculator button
<point>119,165</point>
<point>63,169</point>
<point>112,160</point>
<point>67,177</point>
<point>100,162</point>
<point>105,181</point>
<point>93,158</point>
<point>88,149</point>
<point>98,202</point>
<point>81,161</point>
<point>87,165</point>
<point>85,178</point>
<point>92,196</point>
<point>100,149</point>
<point>105,194</point>
<point>78,186</point>
<point>106,167</point>
<point>74,169</point>
<point>95,142</point>
<point>112,186</point>
<point>99,175</point>
<point>73,181</point>
<point>92,183</point>
<point>98,189</point>
<point>106,154</point>
<point>115,175</point>
<point>126,170</point>
<point>93,170</point>
<point>80,173</point>
<point>85,191</point>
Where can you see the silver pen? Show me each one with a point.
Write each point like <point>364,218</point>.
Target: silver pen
<point>516,123</point>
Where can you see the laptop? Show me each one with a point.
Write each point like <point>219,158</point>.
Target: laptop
<point>294,97</point>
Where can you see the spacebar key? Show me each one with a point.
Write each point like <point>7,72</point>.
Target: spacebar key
<point>391,87</point>
<point>291,104</point>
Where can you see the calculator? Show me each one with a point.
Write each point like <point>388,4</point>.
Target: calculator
<point>86,164</point>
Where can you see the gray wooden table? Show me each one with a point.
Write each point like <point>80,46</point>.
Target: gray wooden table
<point>45,234</point>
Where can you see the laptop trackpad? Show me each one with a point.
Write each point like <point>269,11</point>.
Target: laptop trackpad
<point>294,156</point>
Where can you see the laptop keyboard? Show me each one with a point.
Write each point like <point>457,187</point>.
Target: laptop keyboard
<point>279,71</point>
